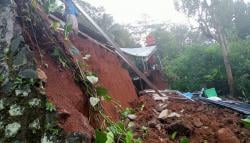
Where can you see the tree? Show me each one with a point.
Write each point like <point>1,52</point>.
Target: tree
<point>215,18</point>
<point>117,32</point>
<point>242,18</point>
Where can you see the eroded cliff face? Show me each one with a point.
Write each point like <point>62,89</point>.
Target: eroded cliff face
<point>112,75</point>
<point>56,108</point>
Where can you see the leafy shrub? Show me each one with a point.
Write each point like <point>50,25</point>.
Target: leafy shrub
<point>240,60</point>
<point>197,66</point>
<point>201,65</point>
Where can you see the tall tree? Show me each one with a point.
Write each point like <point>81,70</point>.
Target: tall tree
<point>214,18</point>
<point>242,18</point>
<point>117,32</point>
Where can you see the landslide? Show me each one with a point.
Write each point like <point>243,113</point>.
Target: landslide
<point>63,85</point>
<point>197,121</point>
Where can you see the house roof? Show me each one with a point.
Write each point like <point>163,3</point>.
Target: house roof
<point>85,27</point>
<point>140,52</point>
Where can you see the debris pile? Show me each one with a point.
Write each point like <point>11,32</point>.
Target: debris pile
<point>174,120</point>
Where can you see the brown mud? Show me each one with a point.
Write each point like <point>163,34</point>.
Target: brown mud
<point>111,75</point>
<point>200,122</point>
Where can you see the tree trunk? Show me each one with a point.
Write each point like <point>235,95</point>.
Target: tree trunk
<point>224,47</point>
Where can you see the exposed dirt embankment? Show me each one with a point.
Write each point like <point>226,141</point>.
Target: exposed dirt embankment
<point>66,94</point>
<point>62,90</point>
<point>111,74</point>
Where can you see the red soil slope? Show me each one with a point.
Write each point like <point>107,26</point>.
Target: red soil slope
<point>111,74</point>
<point>62,90</point>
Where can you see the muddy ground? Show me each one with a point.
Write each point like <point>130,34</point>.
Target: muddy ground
<point>198,121</point>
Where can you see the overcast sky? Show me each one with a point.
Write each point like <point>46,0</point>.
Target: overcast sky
<point>129,11</point>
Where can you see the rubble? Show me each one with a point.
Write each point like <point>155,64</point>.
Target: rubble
<point>199,122</point>
<point>132,116</point>
<point>168,114</point>
<point>225,135</point>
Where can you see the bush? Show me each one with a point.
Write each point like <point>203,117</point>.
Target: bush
<point>196,67</point>
<point>201,65</point>
<point>240,60</point>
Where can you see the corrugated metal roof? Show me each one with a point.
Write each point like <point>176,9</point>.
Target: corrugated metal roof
<point>140,52</point>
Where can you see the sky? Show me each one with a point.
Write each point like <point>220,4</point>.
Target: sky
<point>130,11</point>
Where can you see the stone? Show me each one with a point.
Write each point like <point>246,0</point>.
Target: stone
<point>78,137</point>
<point>15,44</point>
<point>131,124</point>
<point>7,88</point>
<point>20,59</point>
<point>46,139</point>
<point>1,104</point>
<point>164,114</point>
<point>182,128</point>
<point>35,102</point>
<point>161,107</point>
<point>168,114</point>
<point>92,79</point>
<point>157,97</point>
<point>197,122</point>
<point>1,125</point>
<point>225,135</point>
<point>23,93</point>
<point>4,72</point>
<point>16,110</point>
<point>41,75</point>
<point>132,116</point>
<point>35,124</point>
<point>12,129</point>
<point>28,74</point>
<point>174,114</point>
<point>158,126</point>
<point>152,123</point>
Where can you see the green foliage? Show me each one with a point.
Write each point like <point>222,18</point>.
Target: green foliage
<point>101,91</point>
<point>117,32</point>
<point>52,128</point>
<point>19,83</point>
<point>201,65</point>
<point>184,140</point>
<point>1,78</point>
<point>50,106</point>
<point>101,137</point>
<point>197,66</point>
<point>129,137</point>
<point>246,122</point>
<point>174,134</point>
<point>58,54</point>
<point>55,25</point>
<point>110,137</point>
<point>50,6</point>
<point>126,112</point>
<point>240,61</point>
<point>117,132</point>
<point>67,30</point>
